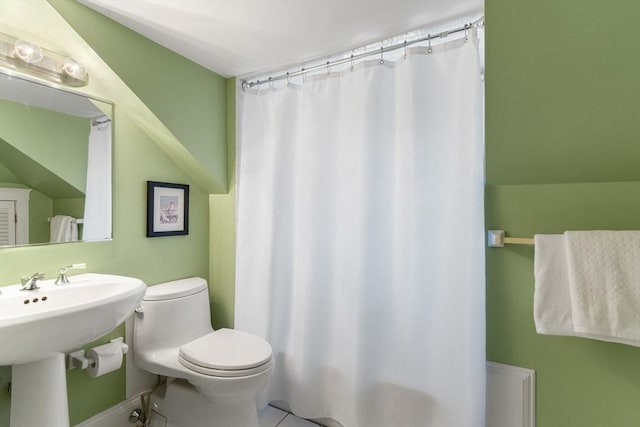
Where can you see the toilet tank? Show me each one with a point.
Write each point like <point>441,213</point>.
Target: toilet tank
<point>172,314</point>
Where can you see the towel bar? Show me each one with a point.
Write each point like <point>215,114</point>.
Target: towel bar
<point>496,239</point>
<point>78,220</point>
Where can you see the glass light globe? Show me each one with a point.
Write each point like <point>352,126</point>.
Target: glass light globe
<point>28,52</point>
<point>73,69</point>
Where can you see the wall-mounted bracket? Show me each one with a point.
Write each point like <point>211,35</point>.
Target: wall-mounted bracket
<point>497,239</point>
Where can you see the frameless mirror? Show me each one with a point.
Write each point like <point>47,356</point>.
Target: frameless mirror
<point>55,164</point>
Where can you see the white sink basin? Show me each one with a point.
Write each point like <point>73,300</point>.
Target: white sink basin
<point>38,324</point>
<point>38,327</point>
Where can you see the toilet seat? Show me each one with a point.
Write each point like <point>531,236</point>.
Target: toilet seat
<point>226,373</point>
<point>227,353</point>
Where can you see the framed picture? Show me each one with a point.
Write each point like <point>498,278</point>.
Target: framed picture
<point>167,209</point>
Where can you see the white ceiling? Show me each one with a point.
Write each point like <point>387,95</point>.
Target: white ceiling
<point>248,37</point>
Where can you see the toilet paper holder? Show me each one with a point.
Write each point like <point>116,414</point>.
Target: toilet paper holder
<point>78,359</point>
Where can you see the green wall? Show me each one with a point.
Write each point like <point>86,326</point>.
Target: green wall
<point>222,229</point>
<point>40,210</point>
<point>6,175</point>
<point>562,153</point>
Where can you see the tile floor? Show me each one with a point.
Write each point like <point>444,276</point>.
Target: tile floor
<point>274,417</point>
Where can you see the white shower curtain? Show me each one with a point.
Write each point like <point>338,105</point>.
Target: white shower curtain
<point>97,203</point>
<point>360,241</point>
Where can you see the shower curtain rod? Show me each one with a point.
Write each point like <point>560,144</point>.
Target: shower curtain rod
<point>444,34</point>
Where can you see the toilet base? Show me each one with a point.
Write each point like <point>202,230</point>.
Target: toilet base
<point>179,404</point>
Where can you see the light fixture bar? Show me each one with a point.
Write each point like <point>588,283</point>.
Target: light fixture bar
<point>28,58</point>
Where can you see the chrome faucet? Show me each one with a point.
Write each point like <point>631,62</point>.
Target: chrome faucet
<point>62,277</point>
<point>30,283</point>
<point>62,273</point>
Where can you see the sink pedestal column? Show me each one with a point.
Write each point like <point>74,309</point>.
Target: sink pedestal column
<point>39,393</point>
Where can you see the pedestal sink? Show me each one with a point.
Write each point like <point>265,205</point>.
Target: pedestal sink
<point>38,327</point>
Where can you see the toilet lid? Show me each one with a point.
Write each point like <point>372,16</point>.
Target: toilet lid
<point>176,289</point>
<point>227,349</point>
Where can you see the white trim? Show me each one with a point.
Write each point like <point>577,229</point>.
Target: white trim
<point>21,197</point>
<point>511,395</point>
<point>7,222</point>
<point>116,415</point>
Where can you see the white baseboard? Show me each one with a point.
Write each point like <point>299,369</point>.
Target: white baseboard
<point>511,396</point>
<point>116,415</point>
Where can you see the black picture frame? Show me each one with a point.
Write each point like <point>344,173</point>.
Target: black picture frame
<point>167,209</point>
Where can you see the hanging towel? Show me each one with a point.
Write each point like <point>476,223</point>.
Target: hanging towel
<point>604,282</point>
<point>552,298</point>
<point>64,229</point>
<point>588,285</point>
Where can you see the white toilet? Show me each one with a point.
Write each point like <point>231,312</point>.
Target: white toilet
<point>213,376</point>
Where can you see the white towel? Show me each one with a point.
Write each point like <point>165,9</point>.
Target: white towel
<point>604,281</point>
<point>588,285</point>
<point>63,229</point>
<point>551,299</point>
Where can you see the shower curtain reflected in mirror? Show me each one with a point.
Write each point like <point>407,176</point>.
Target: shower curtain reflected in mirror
<point>97,207</point>
<point>360,251</point>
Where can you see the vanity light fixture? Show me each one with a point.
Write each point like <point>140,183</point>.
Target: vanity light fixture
<point>28,58</point>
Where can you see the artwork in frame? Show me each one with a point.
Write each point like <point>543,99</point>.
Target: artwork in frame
<point>167,209</point>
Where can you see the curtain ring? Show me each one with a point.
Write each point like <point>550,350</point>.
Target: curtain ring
<point>466,33</point>
<point>405,50</point>
<point>430,50</point>
<point>381,58</point>
<point>352,68</point>
<point>270,82</point>
<point>302,73</point>
<point>288,80</point>
<point>328,68</point>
